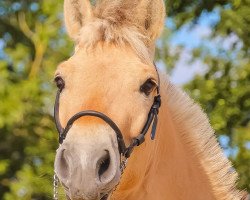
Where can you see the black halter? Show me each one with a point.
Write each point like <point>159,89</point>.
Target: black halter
<point>125,151</point>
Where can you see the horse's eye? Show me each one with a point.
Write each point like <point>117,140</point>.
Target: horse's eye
<point>59,82</point>
<point>148,86</point>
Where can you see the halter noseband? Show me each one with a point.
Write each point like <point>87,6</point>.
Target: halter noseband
<point>125,151</point>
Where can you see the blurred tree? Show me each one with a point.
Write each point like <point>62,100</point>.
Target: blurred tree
<point>33,42</point>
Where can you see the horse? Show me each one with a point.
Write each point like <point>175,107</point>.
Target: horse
<point>108,100</point>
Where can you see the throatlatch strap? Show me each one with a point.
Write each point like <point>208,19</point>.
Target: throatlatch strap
<point>154,126</point>
<point>152,117</point>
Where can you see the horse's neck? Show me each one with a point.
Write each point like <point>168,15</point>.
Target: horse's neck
<point>171,171</point>
<point>176,170</point>
<point>184,161</point>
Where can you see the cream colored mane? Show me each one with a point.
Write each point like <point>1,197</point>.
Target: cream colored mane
<point>193,125</point>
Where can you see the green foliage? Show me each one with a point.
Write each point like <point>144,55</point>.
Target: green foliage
<point>34,42</point>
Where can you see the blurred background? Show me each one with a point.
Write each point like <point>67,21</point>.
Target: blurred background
<point>205,49</point>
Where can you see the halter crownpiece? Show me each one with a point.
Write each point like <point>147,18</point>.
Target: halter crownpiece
<point>124,151</point>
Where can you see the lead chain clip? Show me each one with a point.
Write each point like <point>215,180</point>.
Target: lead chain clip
<point>123,164</point>
<point>55,186</point>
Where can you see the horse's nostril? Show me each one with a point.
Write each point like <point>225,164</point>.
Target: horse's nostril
<point>103,164</point>
<point>63,170</point>
<point>104,196</point>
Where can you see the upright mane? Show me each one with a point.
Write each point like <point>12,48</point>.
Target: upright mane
<point>114,22</point>
<point>193,125</point>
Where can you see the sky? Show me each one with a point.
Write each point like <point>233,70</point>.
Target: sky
<point>190,38</point>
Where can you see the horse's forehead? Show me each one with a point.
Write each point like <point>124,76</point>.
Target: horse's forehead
<point>106,64</point>
<point>106,57</point>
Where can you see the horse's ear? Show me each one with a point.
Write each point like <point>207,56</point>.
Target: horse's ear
<point>151,15</point>
<point>147,15</point>
<point>76,14</point>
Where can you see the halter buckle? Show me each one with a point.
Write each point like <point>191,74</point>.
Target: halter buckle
<point>157,102</point>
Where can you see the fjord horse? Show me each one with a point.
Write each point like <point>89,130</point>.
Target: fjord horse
<point>112,73</point>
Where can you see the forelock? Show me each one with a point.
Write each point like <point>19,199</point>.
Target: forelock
<point>113,23</point>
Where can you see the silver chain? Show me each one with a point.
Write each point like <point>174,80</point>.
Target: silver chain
<point>122,168</point>
<point>55,186</point>
<point>123,165</point>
